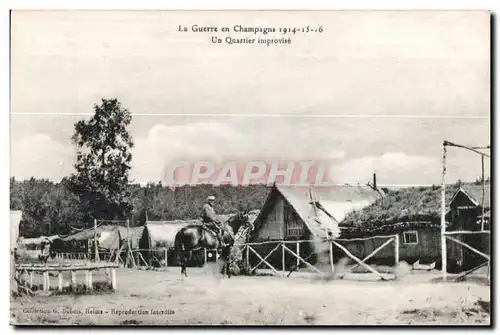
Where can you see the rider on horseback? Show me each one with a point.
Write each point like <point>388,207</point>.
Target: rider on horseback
<point>210,219</point>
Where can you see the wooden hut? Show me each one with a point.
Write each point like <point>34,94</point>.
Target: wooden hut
<point>414,214</point>
<point>301,213</point>
<point>466,214</point>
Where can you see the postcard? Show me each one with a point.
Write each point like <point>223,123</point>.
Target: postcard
<point>250,168</point>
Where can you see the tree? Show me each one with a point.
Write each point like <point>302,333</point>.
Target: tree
<point>103,162</point>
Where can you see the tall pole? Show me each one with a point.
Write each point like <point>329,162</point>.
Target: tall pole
<point>128,243</point>
<point>96,255</point>
<point>482,202</point>
<point>443,216</point>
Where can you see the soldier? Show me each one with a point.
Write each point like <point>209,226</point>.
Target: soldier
<point>209,218</point>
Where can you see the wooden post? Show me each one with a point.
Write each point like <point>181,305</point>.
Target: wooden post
<point>309,265</point>
<point>60,281</point>
<point>96,253</point>
<point>166,256</point>
<point>247,256</point>
<point>113,278</point>
<point>283,258</point>
<point>298,253</point>
<point>332,267</point>
<point>366,266</point>
<point>263,260</point>
<point>396,249</point>
<point>46,282</point>
<point>482,201</point>
<point>127,258</point>
<point>31,279</point>
<point>488,273</point>
<point>73,280</point>
<point>444,259</point>
<point>88,276</point>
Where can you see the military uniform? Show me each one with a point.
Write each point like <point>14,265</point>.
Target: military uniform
<point>209,214</point>
<point>210,218</point>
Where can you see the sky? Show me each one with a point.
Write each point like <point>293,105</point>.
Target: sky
<point>374,92</point>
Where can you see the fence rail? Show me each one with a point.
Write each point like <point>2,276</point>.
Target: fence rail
<point>28,270</point>
<point>329,246</point>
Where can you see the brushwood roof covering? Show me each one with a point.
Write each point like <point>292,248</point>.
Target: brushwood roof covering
<point>332,204</point>
<point>413,206</point>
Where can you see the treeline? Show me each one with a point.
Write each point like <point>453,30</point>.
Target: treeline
<point>51,208</point>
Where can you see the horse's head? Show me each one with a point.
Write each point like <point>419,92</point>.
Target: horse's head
<point>240,219</point>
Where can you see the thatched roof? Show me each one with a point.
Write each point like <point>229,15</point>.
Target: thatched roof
<point>407,207</point>
<point>332,203</point>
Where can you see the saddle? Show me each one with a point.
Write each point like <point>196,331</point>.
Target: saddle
<point>212,228</point>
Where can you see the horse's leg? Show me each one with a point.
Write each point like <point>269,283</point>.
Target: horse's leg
<point>184,263</point>
<point>180,252</point>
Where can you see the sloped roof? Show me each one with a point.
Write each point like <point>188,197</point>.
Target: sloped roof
<point>419,204</point>
<point>412,206</point>
<point>475,194</point>
<point>332,203</point>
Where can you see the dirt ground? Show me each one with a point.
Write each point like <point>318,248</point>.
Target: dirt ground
<point>204,298</point>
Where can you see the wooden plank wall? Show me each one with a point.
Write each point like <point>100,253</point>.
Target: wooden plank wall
<point>273,226</point>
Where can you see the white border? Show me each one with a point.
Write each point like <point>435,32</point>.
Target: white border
<point>186,4</point>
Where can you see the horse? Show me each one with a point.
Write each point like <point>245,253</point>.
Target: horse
<point>194,237</point>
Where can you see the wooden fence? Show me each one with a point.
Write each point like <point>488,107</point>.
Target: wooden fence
<point>449,235</point>
<point>27,270</point>
<point>136,258</point>
<point>292,248</point>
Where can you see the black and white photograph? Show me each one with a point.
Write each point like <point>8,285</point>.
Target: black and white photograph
<point>250,167</point>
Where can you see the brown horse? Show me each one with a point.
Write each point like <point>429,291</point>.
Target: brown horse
<point>195,237</point>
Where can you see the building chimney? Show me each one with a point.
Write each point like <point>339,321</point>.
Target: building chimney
<point>374,180</point>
